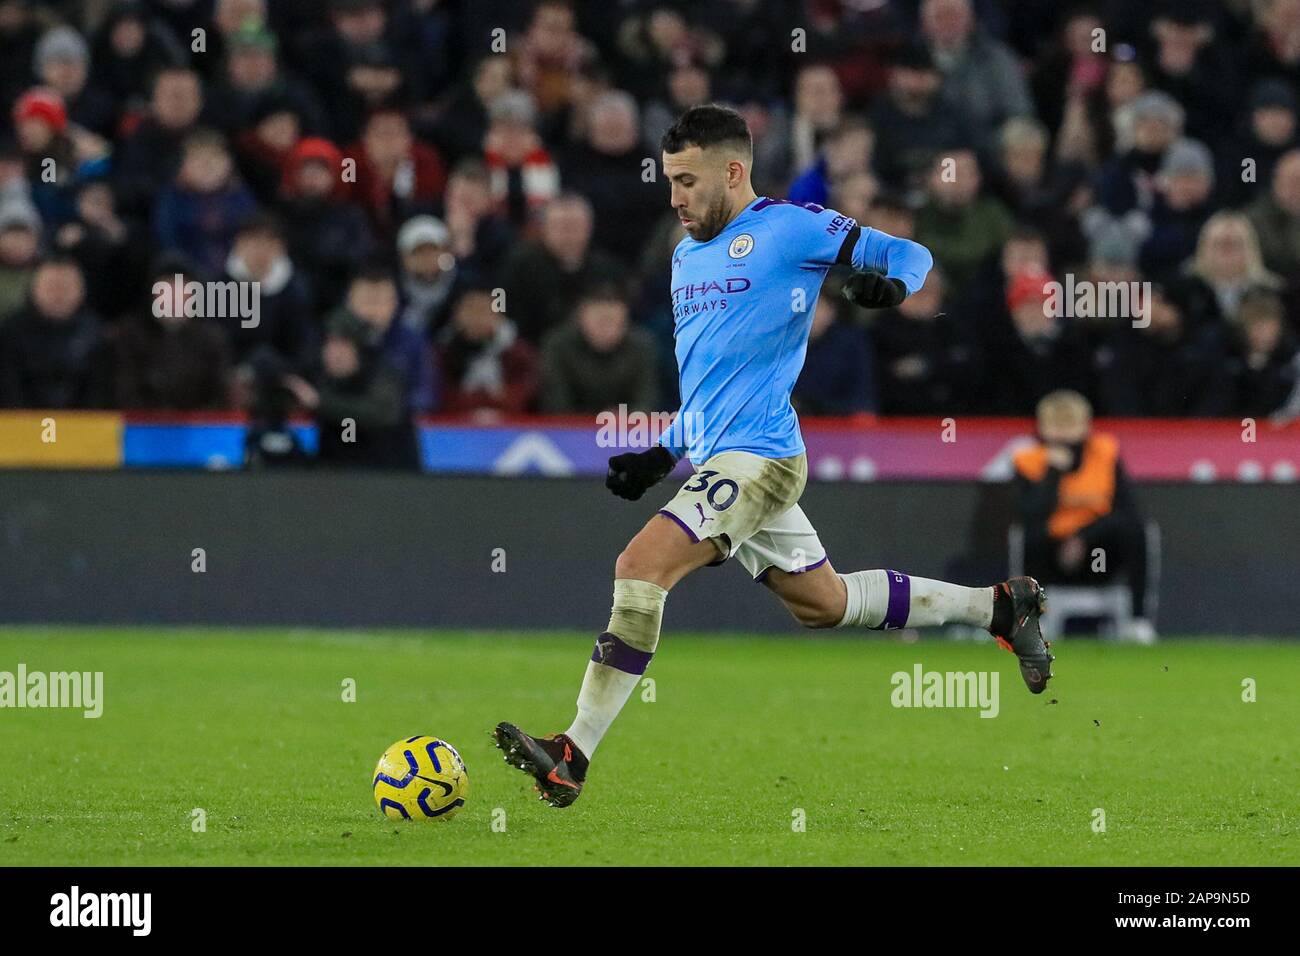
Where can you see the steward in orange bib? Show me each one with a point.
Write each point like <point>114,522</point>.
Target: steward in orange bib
<point>1076,504</point>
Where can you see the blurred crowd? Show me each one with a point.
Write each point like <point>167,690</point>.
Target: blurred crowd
<point>455,206</point>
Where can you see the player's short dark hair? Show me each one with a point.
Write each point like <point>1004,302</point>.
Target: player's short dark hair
<point>705,126</point>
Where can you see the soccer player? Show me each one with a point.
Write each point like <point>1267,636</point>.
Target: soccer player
<point>744,283</point>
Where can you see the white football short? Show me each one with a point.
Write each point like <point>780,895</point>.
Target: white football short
<point>748,505</point>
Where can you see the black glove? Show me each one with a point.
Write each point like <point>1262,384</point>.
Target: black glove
<point>632,474</point>
<point>871,290</point>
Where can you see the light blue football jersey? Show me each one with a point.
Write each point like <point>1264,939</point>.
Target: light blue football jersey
<point>742,308</point>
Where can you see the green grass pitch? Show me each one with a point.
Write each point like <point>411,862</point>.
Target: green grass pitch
<point>744,735</point>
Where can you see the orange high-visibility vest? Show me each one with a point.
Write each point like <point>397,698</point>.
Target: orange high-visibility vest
<point>1084,495</point>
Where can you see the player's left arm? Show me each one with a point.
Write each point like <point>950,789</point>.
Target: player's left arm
<point>886,269</point>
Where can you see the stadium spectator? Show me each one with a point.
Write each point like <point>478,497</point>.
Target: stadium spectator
<point>198,214</point>
<point>609,168</point>
<point>63,64</point>
<point>981,77</point>
<point>1071,70</point>
<point>1165,365</point>
<point>688,84</point>
<point>1184,187</point>
<point>545,277</point>
<point>112,250</point>
<point>792,144</point>
<point>1127,180</point>
<point>374,81</point>
<point>373,298</point>
<point>1276,218</point>
<point>461,124</point>
<point>53,353</point>
<point>656,39</point>
<point>524,177</point>
<point>927,359</point>
<point>231,18</point>
<point>57,156</point>
<point>1191,67</point>
<point>598,360</point>
<point>397,176</point>
<point>846,152</point>
<point>150,155</point>
<point>20,30</point>
<point>357,60</point>
<point>130,51</point>
<point>1072,498</point>
<point>1268,131</point>
<point>1228,264</point>
<point>891,215</point>
<point>481,237</point>
<point>853,196</point>
<point>1274,48</point>
<point>164,356</point>
<point>486,367</point>
<point>1035,190</point>
<point>20,238</point>
<point>961,227</point>
<point>264,148</point>
<point>550,54</point>
<point>1266,360</point>
<point>838,376</point>
<point>428,274</point>
<point>1041,350</point>
<point>284,321</point>
<point>1098,120</point>
<point>252,76</point>
<point>325,233</point>
<point>358,402</point>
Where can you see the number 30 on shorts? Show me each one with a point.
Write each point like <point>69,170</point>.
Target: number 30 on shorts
<point>724,488</point>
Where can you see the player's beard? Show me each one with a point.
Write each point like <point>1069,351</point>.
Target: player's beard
<point>713,221</point>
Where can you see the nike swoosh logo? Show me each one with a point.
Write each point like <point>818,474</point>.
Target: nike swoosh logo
<point>555,778</point>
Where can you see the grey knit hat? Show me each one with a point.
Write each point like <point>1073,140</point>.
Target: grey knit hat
<point>61,43</point>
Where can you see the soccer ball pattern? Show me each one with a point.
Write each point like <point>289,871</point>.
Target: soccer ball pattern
<point>420,778</point>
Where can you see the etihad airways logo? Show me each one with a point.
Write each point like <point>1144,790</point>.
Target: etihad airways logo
<point>733,285</point>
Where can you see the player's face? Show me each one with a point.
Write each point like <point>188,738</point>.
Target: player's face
<point>698,180</point>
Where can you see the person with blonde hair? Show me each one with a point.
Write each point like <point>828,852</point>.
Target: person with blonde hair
<point>1076,506</point>
<point>1229,262</point>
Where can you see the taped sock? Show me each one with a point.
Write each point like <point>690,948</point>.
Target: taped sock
<point>886,600</point>
<point>621,655</point>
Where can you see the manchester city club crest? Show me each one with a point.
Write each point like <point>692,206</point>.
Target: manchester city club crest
<point>741,246</point>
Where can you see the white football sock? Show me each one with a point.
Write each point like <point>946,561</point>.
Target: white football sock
<point>621,656</point>
<point>889,599</point>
